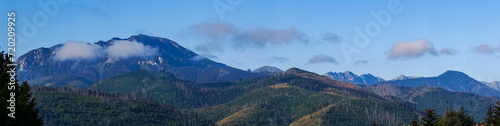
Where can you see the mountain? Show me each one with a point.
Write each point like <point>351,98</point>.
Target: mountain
<point>267,70</point>
<point>436,98</point>
<point>403,77</point>
<point>279,99</point>
<point>450,80</point>
<point>350,77</point>
<point>495,84</point>
<point>169,56</point>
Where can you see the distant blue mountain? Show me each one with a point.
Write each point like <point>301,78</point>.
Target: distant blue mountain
<point>350,77</point>
<point>403,77</point>
<point>495,84</point>
<point>450,80</point>
<point>267,70</point>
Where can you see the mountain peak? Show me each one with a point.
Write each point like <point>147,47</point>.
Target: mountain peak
<point>456,74</point>
<point>348,73</point>
<point>267,69</point>
<point>295,70</point>
<point>400,77</point>
<point>348,76</point>
<point>403,77</point>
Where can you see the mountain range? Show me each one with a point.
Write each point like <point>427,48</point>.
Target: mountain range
<point>434,97</point>
<point>495,84</point>
<point>450,80</point>
<point>350,77</point>
<point>178,86</point>
<point>40,66</point>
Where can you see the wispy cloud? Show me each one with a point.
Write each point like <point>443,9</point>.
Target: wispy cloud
<point>213,34</point>
<point>448,51</point>
<point>261,37</point>
<point>361,62</point>
<point>279,59</point>
<point>119,49</point>
<point>214,30</point>
<point>486,49</point>
<point>331,37</point>
<point>216,36</point>
<point>76,50</point>
<point>322,58</point>
<point>197,58</point>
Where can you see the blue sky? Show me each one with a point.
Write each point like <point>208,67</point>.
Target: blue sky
<point>422,38</point>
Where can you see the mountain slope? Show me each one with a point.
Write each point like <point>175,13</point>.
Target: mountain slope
<point>70,108</point>
<point>297,94</point>
<point>350,77</point>
<point>166,88</point>
<point>278,99</point>
<point>436,98</point>
<point>170,57</point>
<point>451,81</point>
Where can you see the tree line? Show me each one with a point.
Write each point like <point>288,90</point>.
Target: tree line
<point>457,118</point>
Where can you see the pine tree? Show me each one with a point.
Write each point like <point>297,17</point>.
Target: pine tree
<point>28,114</point>
<point>430,118</point>
<point>496,115</point>
<point>415,121</point>
<point>25,112</point>
<point>490,117</point>
<point>465,119</point>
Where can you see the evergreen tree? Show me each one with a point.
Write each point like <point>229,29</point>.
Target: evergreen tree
<point>465,120</point>
<point>374,123</point>
<point>496,115</point>
<point>415,121</point>
<point>25,112</point>
<point>430,118</point>
<point>453,118</point>
<point>490,117</point>
<point>4,93</point>
<point>449,119</point>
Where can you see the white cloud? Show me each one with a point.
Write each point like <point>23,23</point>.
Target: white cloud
<point>125,49</point>
<point>321,58</point>
<point>75,50</point>
<point>119,49</point>
<point>413,49</point>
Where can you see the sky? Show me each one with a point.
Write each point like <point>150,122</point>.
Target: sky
<point>385,38</point>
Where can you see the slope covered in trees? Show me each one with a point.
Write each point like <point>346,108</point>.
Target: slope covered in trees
<point>436,98</point>
<point>72,107</point>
